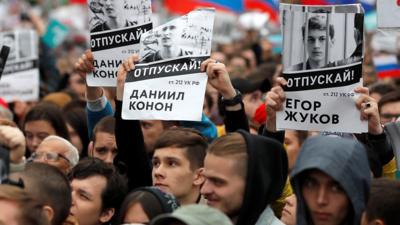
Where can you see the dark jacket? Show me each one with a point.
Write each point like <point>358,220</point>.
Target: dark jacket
<point>344,160</point>
<point>267,170</point>
<point>132,158</point>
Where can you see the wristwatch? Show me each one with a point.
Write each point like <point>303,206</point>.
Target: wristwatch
<point>233,101</point>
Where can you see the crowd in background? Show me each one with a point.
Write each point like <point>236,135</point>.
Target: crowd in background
<point>102,169</point>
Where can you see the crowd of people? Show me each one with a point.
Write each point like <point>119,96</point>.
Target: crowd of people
<point>70,158</point>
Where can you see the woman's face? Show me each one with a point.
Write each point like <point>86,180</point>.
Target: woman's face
<point>74,138</point>
<point>36,131</point>
<point>136,214</point>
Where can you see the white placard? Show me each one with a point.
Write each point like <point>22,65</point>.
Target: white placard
<point>168,83</point>
<point>115,30</point>
<point>20,79</point>
<point>323,66</point>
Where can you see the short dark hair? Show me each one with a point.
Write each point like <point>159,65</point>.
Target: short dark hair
<point>194,143</point>
<point>381,88</point>
<point>51,187</point>
<point>393,96</point>
<point>315,23</point>
<point>116,187</point>
<point>106,125</point>
<point>384,201</point>
<point>50,113</point>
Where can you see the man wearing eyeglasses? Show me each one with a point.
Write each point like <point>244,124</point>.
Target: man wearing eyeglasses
<point>57,152</point>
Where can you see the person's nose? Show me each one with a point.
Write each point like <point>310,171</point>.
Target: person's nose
<point>73,202</point>
<point>206,188</point>
<point>159,171</point>
<point>109,158</point>
<point>317,44</point>
<point>322,197</point>
<point>36,142</point>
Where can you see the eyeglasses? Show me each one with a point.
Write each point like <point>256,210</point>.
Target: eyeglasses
<point>49,156</point>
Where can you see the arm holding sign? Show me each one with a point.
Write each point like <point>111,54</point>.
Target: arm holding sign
<point>131,148</point>
<point>218,77</point>
<point>97,105</point>
<point>376,137</point>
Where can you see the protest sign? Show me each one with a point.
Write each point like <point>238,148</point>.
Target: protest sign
<point>168,83</point>
<point>21,73</point>
<point>116,28</point>
<point>388,13</point>
<point>322,66</point>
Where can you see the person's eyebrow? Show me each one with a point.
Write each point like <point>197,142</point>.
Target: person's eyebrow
<point>84,192</point>
<point>172,158</point>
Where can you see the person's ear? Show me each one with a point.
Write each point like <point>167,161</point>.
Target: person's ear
<point>106,215</point>
<point>199,178</point>
<point>90,148</point>
<point>48,212</point>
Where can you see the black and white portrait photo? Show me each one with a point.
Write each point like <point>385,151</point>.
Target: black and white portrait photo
<point>163,44</point>
<point>321,39</point>
<point>114,14</point>
<point>8,39</point>
<point>186,35</point>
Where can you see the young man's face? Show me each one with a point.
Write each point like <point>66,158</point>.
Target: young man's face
<point>172,173</point>
<point>327,202</point>
<point>110,8</point>
<point>86,200</point>
<point>316,45</point>
<point>169,33</point>
<point>390,112</point>
<point>224,186</point>
<point>105,147</point>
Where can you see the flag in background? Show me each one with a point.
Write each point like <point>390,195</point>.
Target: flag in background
<point>83,2</point>
<point>387,66</point>
<point>186,6</point>
<point>270,7</point>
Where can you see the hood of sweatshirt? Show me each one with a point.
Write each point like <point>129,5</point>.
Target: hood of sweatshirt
<point>267,170</point>
<point>344,160</point>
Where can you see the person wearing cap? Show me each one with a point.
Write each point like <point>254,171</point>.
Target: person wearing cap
<point>193,215</point>
<point>331,180</point>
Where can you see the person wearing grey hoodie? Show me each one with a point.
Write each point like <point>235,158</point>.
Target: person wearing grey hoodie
<point>331,179</point>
